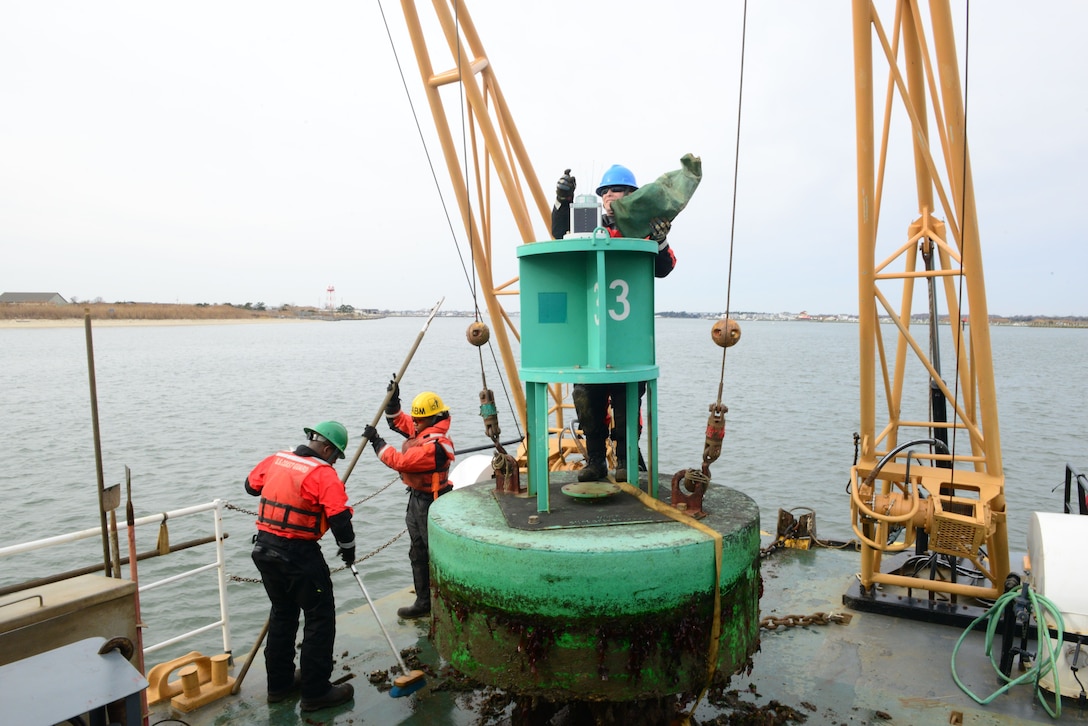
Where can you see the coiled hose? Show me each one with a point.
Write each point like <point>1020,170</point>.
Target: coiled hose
<point>1040,605</point>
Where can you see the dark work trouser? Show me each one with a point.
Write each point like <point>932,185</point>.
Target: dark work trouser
<point>415,517</point>
<point>591,416</point>
<point>297,580</point>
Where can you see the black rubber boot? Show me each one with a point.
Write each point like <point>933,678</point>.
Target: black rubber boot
<point>335,696</point>
<point>595,470</point>
<point>292,690</point>
<point>421,574</point>
<point>595,467</point>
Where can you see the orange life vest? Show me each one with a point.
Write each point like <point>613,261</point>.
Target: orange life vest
<point>283,511</point>
<point>428,481</point>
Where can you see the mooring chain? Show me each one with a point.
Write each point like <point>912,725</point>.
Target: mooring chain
<point>257,580</point>
<point>394,480</point>
<point>780,542</point>
<point>236,508</point>
<point>793,621</point>
<point>370,554</point>
<point>773,547</point>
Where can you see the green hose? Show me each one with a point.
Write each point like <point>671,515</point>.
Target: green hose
<point>1040,667</point>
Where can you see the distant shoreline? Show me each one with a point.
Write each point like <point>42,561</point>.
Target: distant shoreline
<point>139,322</point>
<point>50,315</point>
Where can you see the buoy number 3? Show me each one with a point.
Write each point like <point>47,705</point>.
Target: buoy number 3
<point>619,306</point>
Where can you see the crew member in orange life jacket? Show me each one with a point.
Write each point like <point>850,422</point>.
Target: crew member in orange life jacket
<point>424,465</point>
<point>591,400</point>
<point>302,497</point>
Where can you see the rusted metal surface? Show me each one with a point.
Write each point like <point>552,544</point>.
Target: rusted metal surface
<point>688,488</point>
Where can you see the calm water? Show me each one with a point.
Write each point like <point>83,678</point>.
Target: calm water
<point>191,409</point>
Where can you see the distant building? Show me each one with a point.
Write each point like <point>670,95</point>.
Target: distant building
<point>51,298</point>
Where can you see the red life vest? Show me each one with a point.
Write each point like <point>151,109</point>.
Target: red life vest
<point>283,510</point>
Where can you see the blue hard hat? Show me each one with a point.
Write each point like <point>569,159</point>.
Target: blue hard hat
<point>617,176</point>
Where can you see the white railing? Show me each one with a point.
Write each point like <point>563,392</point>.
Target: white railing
<point>219,564</point>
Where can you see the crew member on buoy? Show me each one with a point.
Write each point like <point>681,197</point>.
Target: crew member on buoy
<point>591,400</point>
<point>424,466</point>
<point>301,498</point>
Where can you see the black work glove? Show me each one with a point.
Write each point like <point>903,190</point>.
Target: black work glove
<point>371,434</point>
<point>393,407</point>
<point>659,229</point>
<point>347,554</point>
<point>564,188</point>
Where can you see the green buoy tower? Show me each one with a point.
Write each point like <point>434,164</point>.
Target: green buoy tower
<point>609,594</point>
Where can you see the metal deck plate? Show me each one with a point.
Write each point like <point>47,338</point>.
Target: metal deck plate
<point>570,511</point>
<point>590,489</point>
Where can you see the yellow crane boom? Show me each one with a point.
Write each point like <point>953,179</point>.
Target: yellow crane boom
<point>945,502</point>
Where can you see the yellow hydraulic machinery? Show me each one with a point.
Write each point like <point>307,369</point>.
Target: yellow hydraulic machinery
<point>928,476</point>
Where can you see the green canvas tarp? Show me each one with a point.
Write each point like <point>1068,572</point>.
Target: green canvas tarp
<point>664,197</point>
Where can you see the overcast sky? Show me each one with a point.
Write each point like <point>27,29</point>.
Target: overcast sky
<point>264,151</point>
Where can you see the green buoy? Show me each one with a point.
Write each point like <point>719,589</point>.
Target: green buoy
<point>596,600</point>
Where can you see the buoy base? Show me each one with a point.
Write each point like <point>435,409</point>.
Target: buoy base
<point>602,612</point>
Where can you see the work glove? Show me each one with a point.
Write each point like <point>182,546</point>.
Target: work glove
<point>347,554</point>
<point>659,229</point>
<point>564,188</point>
<point>393,407</point>
<point>371,434</point>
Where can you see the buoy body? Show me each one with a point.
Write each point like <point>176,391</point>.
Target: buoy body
<point>616,612</point>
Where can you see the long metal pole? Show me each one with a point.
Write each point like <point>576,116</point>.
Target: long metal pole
<point>373,609</point>
<point>389,394</point>
<point>97,444</point>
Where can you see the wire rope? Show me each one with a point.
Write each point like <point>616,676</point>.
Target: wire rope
<point>712,656</point>
<point>733,212</point>
<point>470,277</point>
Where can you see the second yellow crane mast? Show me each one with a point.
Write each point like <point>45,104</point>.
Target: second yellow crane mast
<point>923,480</point>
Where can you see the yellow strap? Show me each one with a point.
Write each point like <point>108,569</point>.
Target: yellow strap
<point>716,628</point>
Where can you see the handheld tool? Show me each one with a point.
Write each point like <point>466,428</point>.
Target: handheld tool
<point>409,681</point>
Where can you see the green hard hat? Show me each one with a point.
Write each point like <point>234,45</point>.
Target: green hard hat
<point>334,431</point>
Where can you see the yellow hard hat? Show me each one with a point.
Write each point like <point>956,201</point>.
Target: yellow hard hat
<point>427,404</point>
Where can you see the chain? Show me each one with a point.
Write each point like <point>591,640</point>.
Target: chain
<point>370,554</point>
<point>780,541</point>
<point>236,508</point>
<point>257,580</point>
<point>770,549</point>
<point>793,621</point>
<point>392,481</point>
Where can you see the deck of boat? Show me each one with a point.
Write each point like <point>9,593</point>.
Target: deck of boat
<point>874,670</point>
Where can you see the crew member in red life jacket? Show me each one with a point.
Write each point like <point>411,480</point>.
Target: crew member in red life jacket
<point>302,497</point>
<point>424,465</point>
<point>591,400</point>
